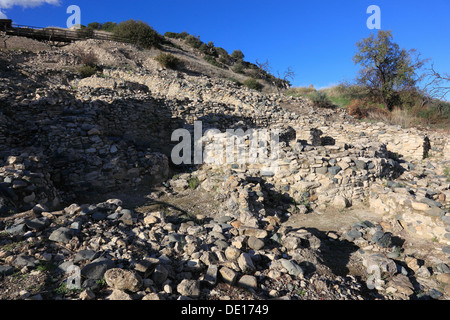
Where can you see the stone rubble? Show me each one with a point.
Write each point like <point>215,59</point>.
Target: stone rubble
<point>62,138</point>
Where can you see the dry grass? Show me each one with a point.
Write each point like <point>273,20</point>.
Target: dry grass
<point>334,91</point>
<point>362,109</point>
<point>300,91</point>
<point>88,58</point>
<point>398,116</point>
<point>346,90</point>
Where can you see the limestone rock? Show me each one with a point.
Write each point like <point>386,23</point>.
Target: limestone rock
<point>189,288</point>
<point>123,280</point>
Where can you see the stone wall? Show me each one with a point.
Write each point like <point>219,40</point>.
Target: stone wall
<point>422,217</point>
<point>86,145</point>
<point>110,131</point>
<point>336,175</point>
<point>405,143</point>
<point>25,181</point>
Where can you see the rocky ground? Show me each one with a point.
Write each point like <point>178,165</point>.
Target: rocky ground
<point>92,207</point>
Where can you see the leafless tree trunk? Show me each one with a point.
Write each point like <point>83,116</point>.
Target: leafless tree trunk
<point>283,82</point>
<point>280,82</point>
<point>438,85</point>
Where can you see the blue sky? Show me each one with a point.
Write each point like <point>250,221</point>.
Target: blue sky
<point>316,38</point>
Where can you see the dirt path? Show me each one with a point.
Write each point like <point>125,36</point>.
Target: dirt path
<point>332,219</point>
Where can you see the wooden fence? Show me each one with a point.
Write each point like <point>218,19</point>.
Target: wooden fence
<point>59,34</point>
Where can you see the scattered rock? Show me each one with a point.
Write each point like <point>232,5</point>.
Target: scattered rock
<point>24,261</point>
<point>229,276</point>
<point>248,282</point>
<point>97,268</point>
<point>211,275</point>
<point>119,295</point>
<point>255,243</point>
<point>443,277</point>
<point>402,284</point>
<point>412,263</point>
<point>87,295</point>
<point>123,280</point>
<point>232,253</point>
<point>160,274</point>
<point>6,270</point>
<point>353,235</point>
<point>189,288</point>
<point>292,268</point>
<point>62,235</point>
<point>385,240</point>
<point>245,263</point>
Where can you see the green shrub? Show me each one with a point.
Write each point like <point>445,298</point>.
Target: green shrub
<point>204,48</point>
<point>224,60</point>
<point>442,108</point>
<point>235,81</point>
<point>87,71</point>
<point>321,100</point>
<point>108,26</point>
<point>194,42</point>
<point>222,53</point>
<point>253,84</point>
<point>213,61</point>
<point>237,55</point>
<point>172,35</point>
<point>88,58</point>
<point>239,68</point>
<point>183,35</point>
<point>193,183</point>
<point>94,25</point>
<point>168,60</point>
<point>140,33</point>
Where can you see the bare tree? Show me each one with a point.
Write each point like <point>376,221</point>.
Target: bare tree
<point>279,81</point>
<point>437,85</point>
<point>284,81</point>
<point>264,69</point>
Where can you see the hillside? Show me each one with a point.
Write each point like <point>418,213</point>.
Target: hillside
<point>349,209</point>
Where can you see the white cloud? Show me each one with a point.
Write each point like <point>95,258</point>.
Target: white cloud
<point>2,15</point>
<point>6,4</point>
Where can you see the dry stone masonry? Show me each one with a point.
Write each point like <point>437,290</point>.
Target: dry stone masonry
<point>63,138</point>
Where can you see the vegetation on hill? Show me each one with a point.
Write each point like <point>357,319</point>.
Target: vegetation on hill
<point>387,87</point>
<point>418,110</point>
<point>142,34</point>
<point>107,26</point>
<point>387,71</point>
<point>88,31</point>
<point>219,57</point>
<point>168,60</point>
<point>134,31</point>
<point>253,84</point>
<point>139,32</point>
<point>89,63</point>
